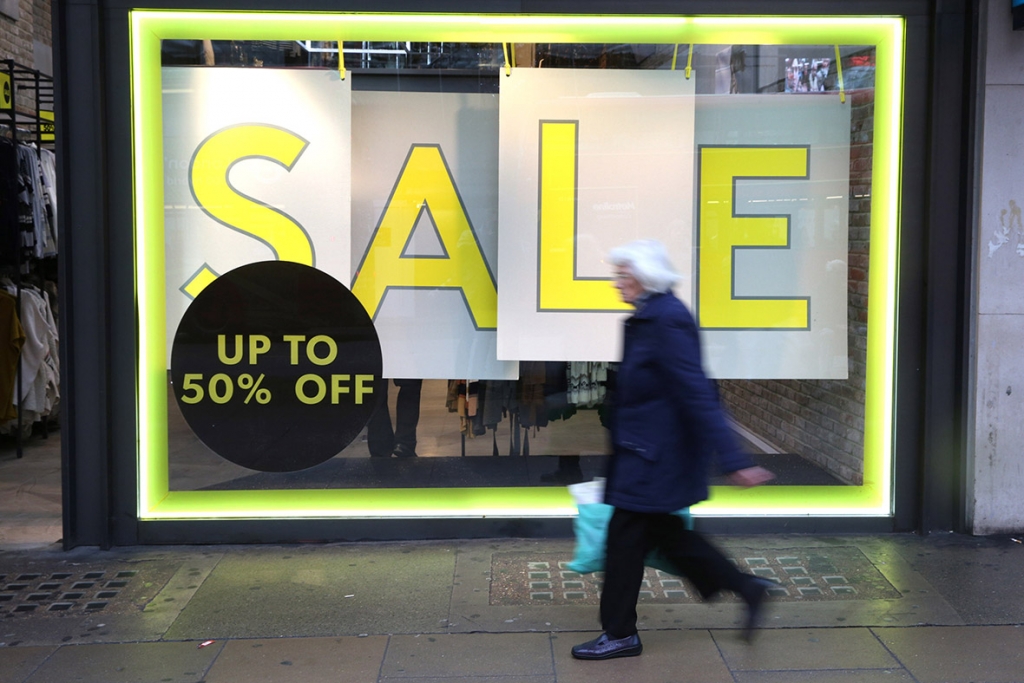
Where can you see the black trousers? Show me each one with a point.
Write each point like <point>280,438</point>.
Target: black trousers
<point>381,439</point>
<point>631,536</point>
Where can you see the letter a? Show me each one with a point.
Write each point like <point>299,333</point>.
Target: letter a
<point>425,184</point>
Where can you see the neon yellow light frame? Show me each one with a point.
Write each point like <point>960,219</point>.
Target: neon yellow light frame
<point>148,28</point>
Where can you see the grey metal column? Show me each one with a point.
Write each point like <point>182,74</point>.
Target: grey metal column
<point>953,103</point>
<point>95,268</point>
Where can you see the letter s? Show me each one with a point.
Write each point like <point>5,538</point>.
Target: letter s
<point>211,188</point>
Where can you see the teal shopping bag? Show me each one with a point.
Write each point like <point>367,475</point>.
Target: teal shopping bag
<point>591,530</point>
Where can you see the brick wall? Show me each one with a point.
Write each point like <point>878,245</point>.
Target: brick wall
<point>19,36</point>
<point>823,420</point>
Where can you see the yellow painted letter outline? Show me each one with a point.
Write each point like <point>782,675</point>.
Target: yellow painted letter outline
<point>425,185</point>
<point>558,287</point>
<point>722,231</point>
<point>209,181</point>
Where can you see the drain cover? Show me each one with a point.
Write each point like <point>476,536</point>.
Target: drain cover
<point>800,574</point>
<point>57,591</point>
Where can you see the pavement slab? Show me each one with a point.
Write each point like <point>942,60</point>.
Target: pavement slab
<point>127,663</point>
<point>471,679</point>
<point>17,663</point>
<point>980,577</point>
<point>322,590</point>
<point>468,654</point>
<point>310,660</point>
<point>802,649</point>
<point>30,495</point>
<point>959,654</point>
<point>686,656</point>
<point>836,676</point>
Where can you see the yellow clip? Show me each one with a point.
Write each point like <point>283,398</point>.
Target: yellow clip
<point>689,60</point>
<point>508,65</point>
<point>341,60</point>
<point>839,73</point>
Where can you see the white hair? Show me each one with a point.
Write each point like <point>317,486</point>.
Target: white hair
<point>648,261</point>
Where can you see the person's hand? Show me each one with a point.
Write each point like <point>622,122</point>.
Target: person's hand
<point>751,476</point>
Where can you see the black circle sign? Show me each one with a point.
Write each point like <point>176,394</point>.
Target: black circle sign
<point>274,366</point>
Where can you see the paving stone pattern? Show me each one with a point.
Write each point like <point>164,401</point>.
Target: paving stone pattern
<point>801,574</point>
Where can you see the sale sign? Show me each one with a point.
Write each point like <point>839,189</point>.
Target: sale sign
<point>257,167</point>
<point>773,188</point>
<point>425,231</point>
<point>474,228</point>
<point>750,195</point>
<point>270,377</point>
<point>590,159</point>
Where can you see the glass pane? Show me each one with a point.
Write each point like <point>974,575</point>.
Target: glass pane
<point>777,279</point>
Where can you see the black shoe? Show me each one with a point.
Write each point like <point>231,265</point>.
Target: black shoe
<point>604,647</point>
<point>754,594</point>
<point>404,452</point>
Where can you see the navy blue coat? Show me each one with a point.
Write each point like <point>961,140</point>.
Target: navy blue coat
<point>666,420</point>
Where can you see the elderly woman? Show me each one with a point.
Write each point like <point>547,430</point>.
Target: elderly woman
<point>666,424</point>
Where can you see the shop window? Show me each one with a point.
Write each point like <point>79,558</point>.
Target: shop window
<point>466,194</point>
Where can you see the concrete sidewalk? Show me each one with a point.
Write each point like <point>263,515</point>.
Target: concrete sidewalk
<point>848,608</point>
<point>944,608</point>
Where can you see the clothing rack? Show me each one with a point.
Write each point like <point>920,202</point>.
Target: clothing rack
<point>35,126</point>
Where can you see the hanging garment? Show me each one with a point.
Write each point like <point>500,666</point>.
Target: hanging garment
<point>40,365</point>
<point>499,399</point>
<point>10,232</point>
<point>530,394</point>
<point>462,399</point>
<point>48,172</point>
<point>587,383</point>
<point>12,336</point>
<point>42,241</point>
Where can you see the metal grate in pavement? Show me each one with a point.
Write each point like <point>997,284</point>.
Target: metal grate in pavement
<point>800,574</point>
<point>63,592</point>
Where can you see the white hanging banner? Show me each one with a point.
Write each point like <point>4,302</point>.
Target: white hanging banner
<point>425,231</point>
<point>773,276</point>
<point>256,168</point>
<point>589,159</point>
<point>593,159</point>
